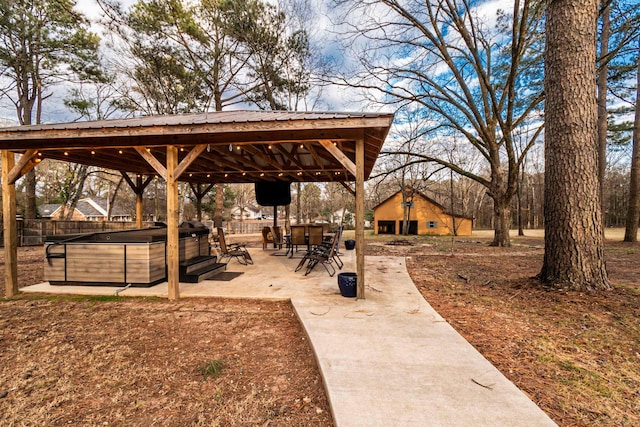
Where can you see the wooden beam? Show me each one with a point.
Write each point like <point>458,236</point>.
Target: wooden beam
<point>155,163</point>
<point>188,159</point>
<point>360,217</point>
<point>173,251</point>
<point>349,188</point>
<point>24,165</point>
<point>10,226</point>
<point>341,157</point>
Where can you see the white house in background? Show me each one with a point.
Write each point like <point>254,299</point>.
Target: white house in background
<point>249,212</point>
<point>87,209</point>
<point>345,217</point>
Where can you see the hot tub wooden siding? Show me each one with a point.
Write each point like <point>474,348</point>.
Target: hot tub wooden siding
<point>102,262</point>
<point>135,263</point>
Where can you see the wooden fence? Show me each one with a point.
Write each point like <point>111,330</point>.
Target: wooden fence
<point>32,232</point>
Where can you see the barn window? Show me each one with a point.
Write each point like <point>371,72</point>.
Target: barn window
<point>432,224</point>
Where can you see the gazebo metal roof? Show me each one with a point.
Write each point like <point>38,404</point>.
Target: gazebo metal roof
<point>227,146</point>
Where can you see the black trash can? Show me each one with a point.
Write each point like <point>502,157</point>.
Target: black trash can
<point>348,284</point>
<point>350,244</point>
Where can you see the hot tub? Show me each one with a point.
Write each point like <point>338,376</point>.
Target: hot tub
<point>129,257</point>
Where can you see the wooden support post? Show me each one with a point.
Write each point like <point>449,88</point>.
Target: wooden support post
<point>139,205</point>
<point>10,228</point>
<point>360,217</point>
<point>173,254</point>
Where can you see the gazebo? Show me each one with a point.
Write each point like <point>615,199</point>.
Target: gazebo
<point>202,149</point>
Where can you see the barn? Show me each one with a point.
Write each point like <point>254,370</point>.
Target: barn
<point>426,216</point>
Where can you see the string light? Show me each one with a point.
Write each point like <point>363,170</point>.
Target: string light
<point>93,152</point>
<point>66,153</point>
<point>262,174</point>
<point>119,151</point>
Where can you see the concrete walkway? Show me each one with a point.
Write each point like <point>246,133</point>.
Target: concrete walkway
<point>388,360</point>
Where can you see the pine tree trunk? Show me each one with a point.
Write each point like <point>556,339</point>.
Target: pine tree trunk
<point>574,248</point>
<point>602,105</point>
<point>633,213</point>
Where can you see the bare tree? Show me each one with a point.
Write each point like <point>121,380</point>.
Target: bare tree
<point>475,79</point>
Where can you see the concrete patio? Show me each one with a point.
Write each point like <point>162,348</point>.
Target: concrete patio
<point>387,360</point>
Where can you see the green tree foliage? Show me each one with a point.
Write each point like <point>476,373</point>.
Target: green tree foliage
<point>43,43</point>
<point>276,57</point>
<point>165,78</point>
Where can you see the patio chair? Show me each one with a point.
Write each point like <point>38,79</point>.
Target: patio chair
<point>235,250</point>
<point>278,237</point>
<point>297,237</point>
<point>267,237</point>
<point>314,240</point>
<point>325,256</point>
<point>336,254</point>
<point>315,236</point>
<point>328,242</point>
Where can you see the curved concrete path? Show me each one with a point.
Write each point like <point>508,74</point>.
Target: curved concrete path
<point>388,360</point>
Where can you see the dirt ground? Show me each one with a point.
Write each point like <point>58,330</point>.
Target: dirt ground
<point>141,362</point>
